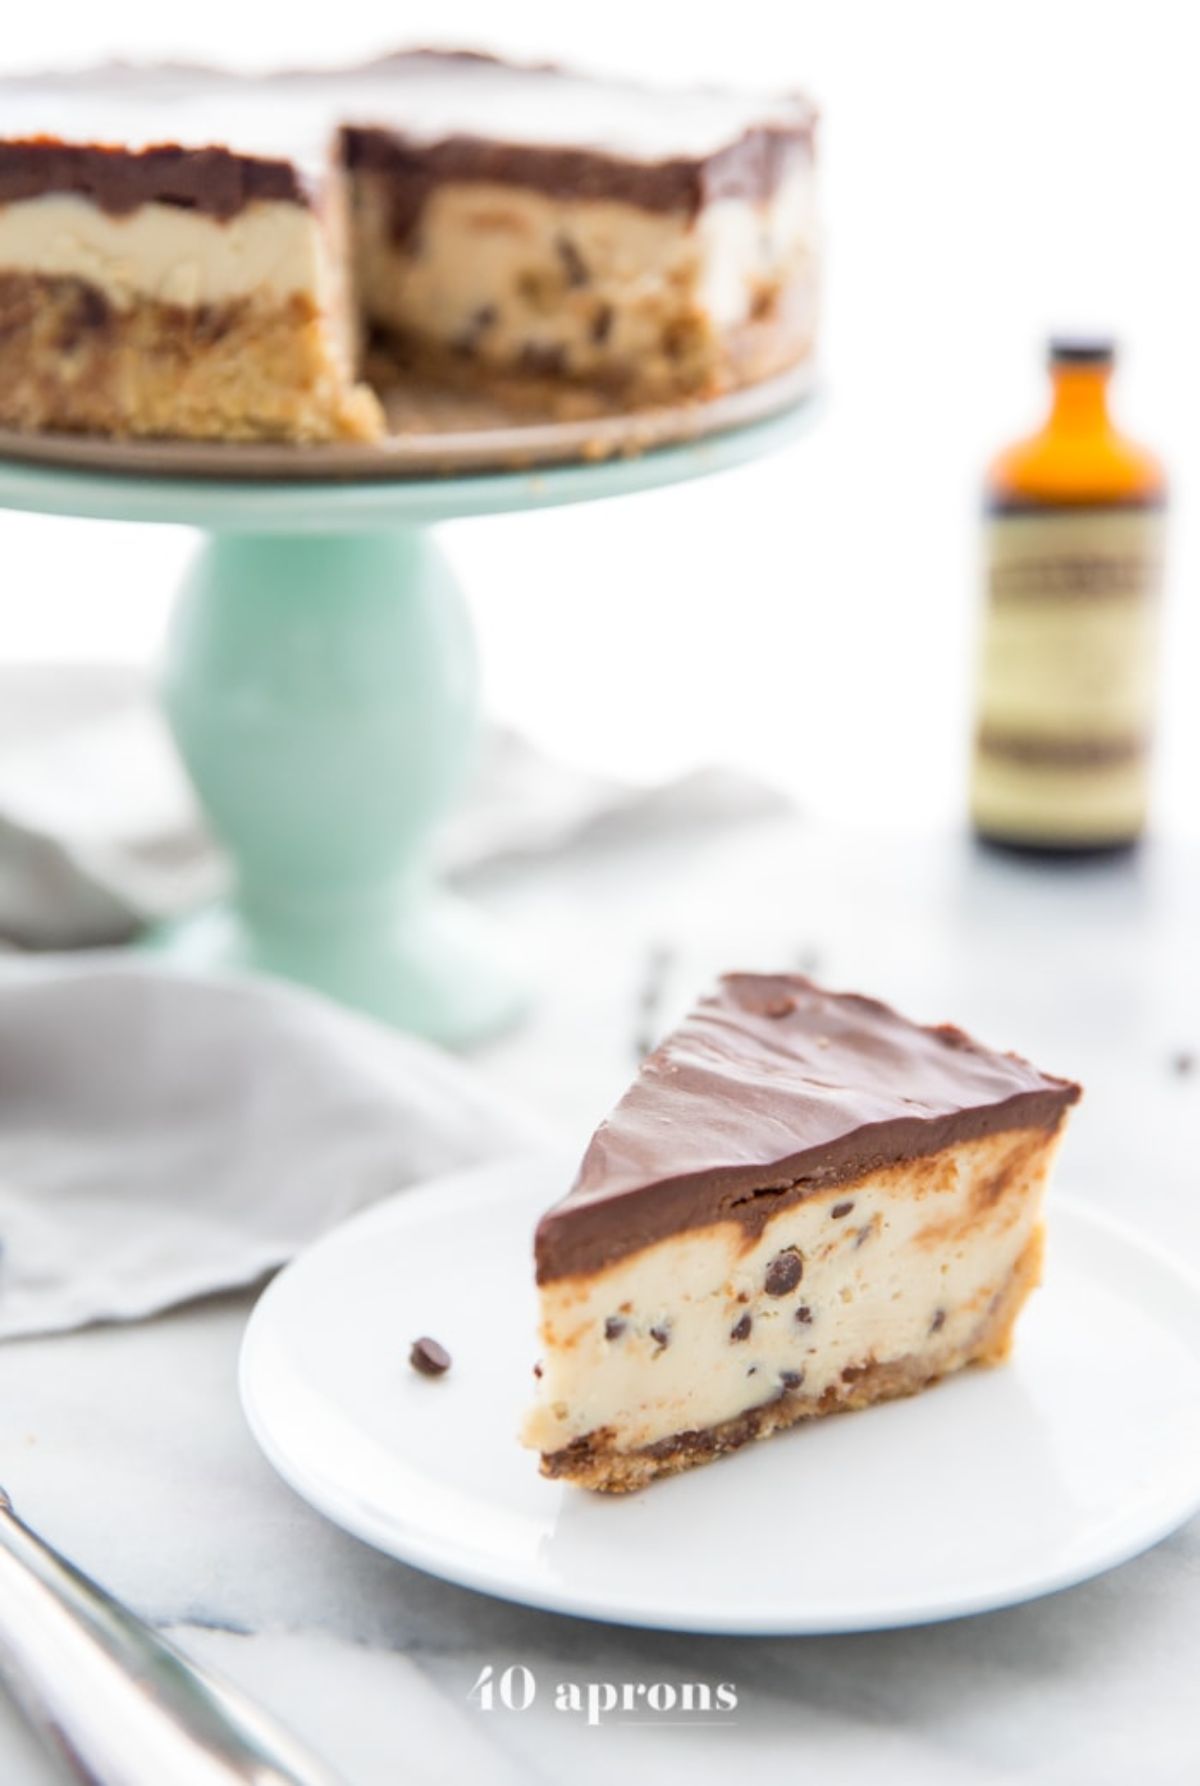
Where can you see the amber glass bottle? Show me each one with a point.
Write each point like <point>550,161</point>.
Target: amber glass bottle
<point>1067,679</point>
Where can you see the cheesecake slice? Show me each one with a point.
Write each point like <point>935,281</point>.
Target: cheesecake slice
<point>804,1203</point>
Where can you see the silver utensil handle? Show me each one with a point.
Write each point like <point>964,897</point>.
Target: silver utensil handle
<point>119,1703</point>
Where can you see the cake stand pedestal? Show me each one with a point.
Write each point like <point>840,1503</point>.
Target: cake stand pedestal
<point>321,685</point>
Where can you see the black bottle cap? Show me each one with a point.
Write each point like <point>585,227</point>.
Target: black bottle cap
<point>1082,350</point>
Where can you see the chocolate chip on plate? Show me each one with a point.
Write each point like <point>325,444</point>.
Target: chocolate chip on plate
<point>614,1327</point>
<point>741,1330</point>
<point>841,1209</point>
<point>784,1272</point>
<point>429,1358</point>
<point>804,1315</point>
<point>661,1335</point>
<point>790,1379</point>
<point>938,1322</point>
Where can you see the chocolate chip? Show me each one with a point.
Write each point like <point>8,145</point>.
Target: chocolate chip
<point>938,1322</point>
<point>681,337</point>
<point>546,359</point>
<point>804,1314</point>
<point>783,1273</point>
<point>602,322</point>
<point>764,303</point>
<point>466,344</point>
<point>92,308</point>
<point>212,322</point>
<point>741,1330</point>
<point>89,311</point>
<point>614,1327</point>
<point>864,1233</point>
<point>537,1371</point>
<point>661,1335</point>
<point>752,1370</point>
<point>429,1358</point>
<point>791,1379</point>
<point>841,1209</point>
<point>573,263</point>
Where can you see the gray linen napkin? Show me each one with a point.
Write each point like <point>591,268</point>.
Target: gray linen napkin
<point>163,1136</point>
<point>99,833</point>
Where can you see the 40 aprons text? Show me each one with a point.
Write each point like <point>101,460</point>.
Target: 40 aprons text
<point>515,1689</point>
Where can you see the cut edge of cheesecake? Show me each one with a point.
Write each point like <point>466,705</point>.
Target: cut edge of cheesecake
<point>521,267</point>
<point>804,1203</point>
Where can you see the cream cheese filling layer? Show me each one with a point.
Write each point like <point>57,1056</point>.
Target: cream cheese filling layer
<point>493,269</point>
<point>695,1330</point>
<point>166,252</point>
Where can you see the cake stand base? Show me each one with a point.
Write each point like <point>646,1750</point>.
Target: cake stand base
<point>437,968</point>
<point>322,691</point>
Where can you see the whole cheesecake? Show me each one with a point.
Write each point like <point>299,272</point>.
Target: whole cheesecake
<point>804,1203</point>
<point>199,254</point>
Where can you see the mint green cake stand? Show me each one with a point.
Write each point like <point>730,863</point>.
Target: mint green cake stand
<point>321,686</point>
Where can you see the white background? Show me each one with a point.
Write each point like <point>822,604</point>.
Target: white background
<point>990,171</point>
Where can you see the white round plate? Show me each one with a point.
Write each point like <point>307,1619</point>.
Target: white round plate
<point>993,1488</point>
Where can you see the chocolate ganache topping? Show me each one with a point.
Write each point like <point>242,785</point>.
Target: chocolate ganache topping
<point>771,1090</point>
<point>752,167</point>
<point>126,135</point>
<point>212,180</point>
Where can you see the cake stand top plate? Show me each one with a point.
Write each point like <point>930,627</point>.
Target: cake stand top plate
<point>440,474</point>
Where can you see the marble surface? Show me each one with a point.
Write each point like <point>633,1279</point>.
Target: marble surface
<point>126,1446</point>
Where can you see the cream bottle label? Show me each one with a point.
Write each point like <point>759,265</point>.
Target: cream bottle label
<point>1066,693</point>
